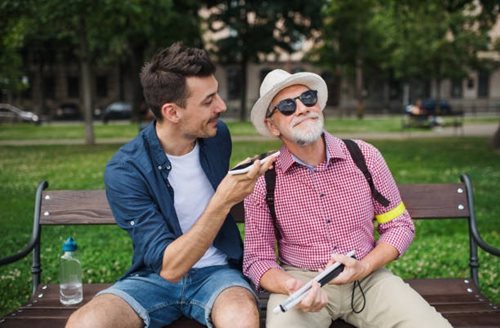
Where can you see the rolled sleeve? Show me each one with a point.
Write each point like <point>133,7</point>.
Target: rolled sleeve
<point>398,232</point>
<point>259,254</point>
<point>135,211</point>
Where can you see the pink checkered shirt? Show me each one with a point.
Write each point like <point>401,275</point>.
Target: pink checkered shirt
<point>320,211</point>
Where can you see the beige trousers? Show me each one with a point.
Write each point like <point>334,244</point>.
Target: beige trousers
<point>390,302</point>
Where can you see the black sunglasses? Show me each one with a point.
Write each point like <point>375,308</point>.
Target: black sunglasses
<point>288,106</point>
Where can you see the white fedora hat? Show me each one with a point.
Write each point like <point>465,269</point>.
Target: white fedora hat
<point>273,83</point>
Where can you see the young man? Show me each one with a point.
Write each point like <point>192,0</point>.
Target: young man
<point>324,205</point>
<point>169,190</point>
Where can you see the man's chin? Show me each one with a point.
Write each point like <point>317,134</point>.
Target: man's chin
<point>307,135</point>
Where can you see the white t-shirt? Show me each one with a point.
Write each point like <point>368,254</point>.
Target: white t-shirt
<point>192,192</point>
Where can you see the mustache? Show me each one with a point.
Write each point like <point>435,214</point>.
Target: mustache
<point>297,120</point>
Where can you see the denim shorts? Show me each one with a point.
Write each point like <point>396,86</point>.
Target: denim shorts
<point>160,302</point>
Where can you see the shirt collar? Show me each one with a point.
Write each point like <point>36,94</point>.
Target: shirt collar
<point>333,151</point>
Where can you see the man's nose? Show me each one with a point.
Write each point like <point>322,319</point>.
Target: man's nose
<point>301,108</point>
<point>221,105</point>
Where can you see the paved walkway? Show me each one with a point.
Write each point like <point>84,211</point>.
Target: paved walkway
<point>469,130</point>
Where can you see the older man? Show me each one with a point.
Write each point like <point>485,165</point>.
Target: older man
<point>326,203</point>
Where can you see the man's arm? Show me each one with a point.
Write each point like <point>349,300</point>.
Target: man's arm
<point>185,251</point>
<point>354,269</point>
<point>395,225</point>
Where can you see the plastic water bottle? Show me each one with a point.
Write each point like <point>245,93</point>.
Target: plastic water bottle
<point>70,274</point>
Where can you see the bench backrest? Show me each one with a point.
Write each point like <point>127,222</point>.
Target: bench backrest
<point>423,201</point>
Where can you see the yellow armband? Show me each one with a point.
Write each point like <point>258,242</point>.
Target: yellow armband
<point>392,214</point>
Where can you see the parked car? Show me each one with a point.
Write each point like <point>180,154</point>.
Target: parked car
<point>12,114</point>
<point>117,111</point>
<point>68,112</point>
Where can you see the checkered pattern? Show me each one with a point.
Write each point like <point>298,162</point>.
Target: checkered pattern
<point>322,211</point>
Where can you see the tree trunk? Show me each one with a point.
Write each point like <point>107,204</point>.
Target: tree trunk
<point>406,94</point>
<point>38,92</point>
<point>360,110</point>
<point>495,142</point>
<point>438,96</point>
<point>136,61</point>
<point>86,83</point>
<point>243,96</point>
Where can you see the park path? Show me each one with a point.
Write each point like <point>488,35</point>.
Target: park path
<point>468,130</point>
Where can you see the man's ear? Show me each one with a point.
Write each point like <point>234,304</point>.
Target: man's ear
<point>169,111</point>
<point>272,127</point>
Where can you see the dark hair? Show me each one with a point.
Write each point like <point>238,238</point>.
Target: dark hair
<point>163,79</point>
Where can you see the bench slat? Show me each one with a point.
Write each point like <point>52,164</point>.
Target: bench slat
<point>451,297</point>
<point>75,207</point>
<point>435,200</point>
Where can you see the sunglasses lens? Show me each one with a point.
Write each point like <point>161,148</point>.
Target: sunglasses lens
<point>309,98</point>
<point>287,106</point>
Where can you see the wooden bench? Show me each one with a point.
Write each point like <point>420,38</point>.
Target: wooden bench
<point>454,119</point>
<point>458,299</point>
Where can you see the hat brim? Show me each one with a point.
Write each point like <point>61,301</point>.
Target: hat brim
<point>310,80</point>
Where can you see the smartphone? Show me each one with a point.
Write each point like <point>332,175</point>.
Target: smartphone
<point>245,167</point>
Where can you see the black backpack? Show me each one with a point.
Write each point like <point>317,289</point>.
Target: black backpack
<point>359,160</point>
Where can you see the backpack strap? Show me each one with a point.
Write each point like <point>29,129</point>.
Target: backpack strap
<point>360,162</point>
<point>270,177</point>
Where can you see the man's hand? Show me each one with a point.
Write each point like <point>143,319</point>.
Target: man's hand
<point>234,188</point>
<point>353,269</point>
<point>314,301</point>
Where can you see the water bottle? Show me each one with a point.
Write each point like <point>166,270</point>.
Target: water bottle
<point>70,275</point>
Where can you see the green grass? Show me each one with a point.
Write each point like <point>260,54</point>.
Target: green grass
<point>440,248</point>
<point>65,131</point>
<point>126,130</point>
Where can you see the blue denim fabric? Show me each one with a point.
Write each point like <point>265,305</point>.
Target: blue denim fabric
<point>142,199</point>
<point>159,302</point>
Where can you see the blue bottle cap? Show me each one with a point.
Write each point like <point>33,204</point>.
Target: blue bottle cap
<point>69,245</point>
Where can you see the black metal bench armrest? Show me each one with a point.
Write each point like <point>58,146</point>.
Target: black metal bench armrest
<point>36,229</point>
<point>473,223</point>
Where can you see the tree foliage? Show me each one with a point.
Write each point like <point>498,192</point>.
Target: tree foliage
<point>96,33</point>
<point>256,28</point>
<point>439,39</point>
<point>12,36</point>
<point>406,39</point>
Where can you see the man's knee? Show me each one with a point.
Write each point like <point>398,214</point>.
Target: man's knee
<point>235,307</point>
<point>104,311</point>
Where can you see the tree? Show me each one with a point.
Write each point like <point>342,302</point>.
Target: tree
<point>353,42</point>
<point>100,32</point>
<point>12,33</point>
<point>257,28</point>
<point>135,29</point>
<point>406,40</point>
<point>437,40</point>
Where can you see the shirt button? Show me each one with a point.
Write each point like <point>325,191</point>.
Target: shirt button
<point>168,167</point>
<point>132,223</point>
<point>159,167</point>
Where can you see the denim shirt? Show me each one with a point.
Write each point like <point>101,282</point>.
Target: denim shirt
<point>142,199</point>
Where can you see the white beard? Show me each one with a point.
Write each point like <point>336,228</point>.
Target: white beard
<point>308,132</point>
